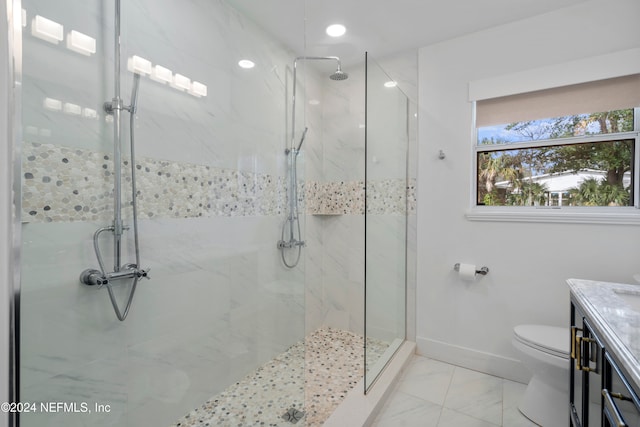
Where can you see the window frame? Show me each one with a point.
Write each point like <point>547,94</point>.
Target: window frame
<point>624,215</point>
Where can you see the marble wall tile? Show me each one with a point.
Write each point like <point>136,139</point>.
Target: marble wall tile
<point>104,383</point>
<point>212,182</point>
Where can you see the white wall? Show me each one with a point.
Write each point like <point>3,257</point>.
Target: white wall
<point>471,323</point>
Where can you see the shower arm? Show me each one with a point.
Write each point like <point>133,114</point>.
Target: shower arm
<point>294,150</point>
<point>293,112</point>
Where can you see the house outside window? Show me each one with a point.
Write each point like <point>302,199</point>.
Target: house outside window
<point>575,146</point>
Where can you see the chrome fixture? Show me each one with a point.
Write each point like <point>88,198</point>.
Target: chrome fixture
<point>293,240</point>
<point>483,270</point>
<point>100,278</point>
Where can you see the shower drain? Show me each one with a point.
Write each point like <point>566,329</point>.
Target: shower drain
<point>293,415</point>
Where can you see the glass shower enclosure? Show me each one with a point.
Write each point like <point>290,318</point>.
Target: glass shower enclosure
<point>228,330</point>
<point>211,194</point>
<point>386,210</point>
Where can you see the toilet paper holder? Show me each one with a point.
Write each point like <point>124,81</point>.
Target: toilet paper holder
<point>483,270</point>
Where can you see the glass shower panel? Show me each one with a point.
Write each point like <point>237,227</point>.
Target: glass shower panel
<point>387,136</point>
<point>220,313</point>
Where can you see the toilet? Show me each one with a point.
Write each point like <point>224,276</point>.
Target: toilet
<point>545,352</point>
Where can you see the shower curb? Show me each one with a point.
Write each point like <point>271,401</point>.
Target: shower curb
<point>359,409</point>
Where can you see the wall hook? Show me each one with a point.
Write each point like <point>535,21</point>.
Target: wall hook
<point>441,155</point>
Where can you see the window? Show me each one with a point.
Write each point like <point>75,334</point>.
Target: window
<point>574,146</point>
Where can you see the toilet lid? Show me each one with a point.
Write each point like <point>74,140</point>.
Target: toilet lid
<point>550,339</point>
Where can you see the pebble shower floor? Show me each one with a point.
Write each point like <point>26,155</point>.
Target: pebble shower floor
<point>322,369</point>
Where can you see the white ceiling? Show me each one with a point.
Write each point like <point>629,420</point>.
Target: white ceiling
<point>383,27</point>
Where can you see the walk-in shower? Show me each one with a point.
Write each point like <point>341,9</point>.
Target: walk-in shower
<point>225,333</point>
<point>128,271</point>
<point>291,235</point>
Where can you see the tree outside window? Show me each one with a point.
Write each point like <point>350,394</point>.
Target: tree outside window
<point>575,173</point>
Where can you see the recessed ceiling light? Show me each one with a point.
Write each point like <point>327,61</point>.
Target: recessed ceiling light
<point>314,102</point>
<point>336,30</point>
<point>245,63</point>
<point>391,83</point>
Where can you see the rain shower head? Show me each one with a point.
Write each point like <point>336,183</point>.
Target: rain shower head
<point>339,75</point>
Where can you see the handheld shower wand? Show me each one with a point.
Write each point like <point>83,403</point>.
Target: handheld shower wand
<point>134,93</point>
<point>295,241</point>
<point>301,140</point>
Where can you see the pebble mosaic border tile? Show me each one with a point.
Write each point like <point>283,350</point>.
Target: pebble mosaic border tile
<point>66,184</point>
<point>384,197</point>
<point>62,184</point>
<point>322,369</point>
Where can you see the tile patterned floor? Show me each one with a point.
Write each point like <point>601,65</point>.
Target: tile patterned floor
<point>429,393</point>
<point>436,394</point>
<point>319,370</point>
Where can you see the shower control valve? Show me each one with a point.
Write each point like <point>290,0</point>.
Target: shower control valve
<point>92,277</point>
<point>144,273</point>
<point>137,272</point>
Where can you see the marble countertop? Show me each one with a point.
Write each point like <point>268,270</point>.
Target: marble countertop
<point>614,319</point>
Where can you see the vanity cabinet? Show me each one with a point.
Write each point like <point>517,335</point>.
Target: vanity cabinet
<point>599,394</point>
<point>585,374</point>
<point>621,406</point>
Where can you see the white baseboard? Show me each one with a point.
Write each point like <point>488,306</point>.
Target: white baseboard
<point>488,363</point>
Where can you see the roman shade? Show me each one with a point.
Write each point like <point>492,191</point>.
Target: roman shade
<point>597,96</point>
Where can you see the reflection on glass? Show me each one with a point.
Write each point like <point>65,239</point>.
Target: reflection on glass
<point>46,29</point>
<point>387,141</point>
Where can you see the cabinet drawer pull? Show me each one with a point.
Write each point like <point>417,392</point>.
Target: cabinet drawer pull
<point>579,367</point>
<point>576,349</point>
<point>590,354</point>
<point>611,410</point>
<point>621,396</point>
<point>574,336</point>
<point>578,353</point>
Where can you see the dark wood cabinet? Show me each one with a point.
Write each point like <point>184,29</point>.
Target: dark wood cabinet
<point>587,354</point>
<point>599,393</point>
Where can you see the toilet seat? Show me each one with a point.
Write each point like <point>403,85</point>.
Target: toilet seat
<point>548,339</point>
